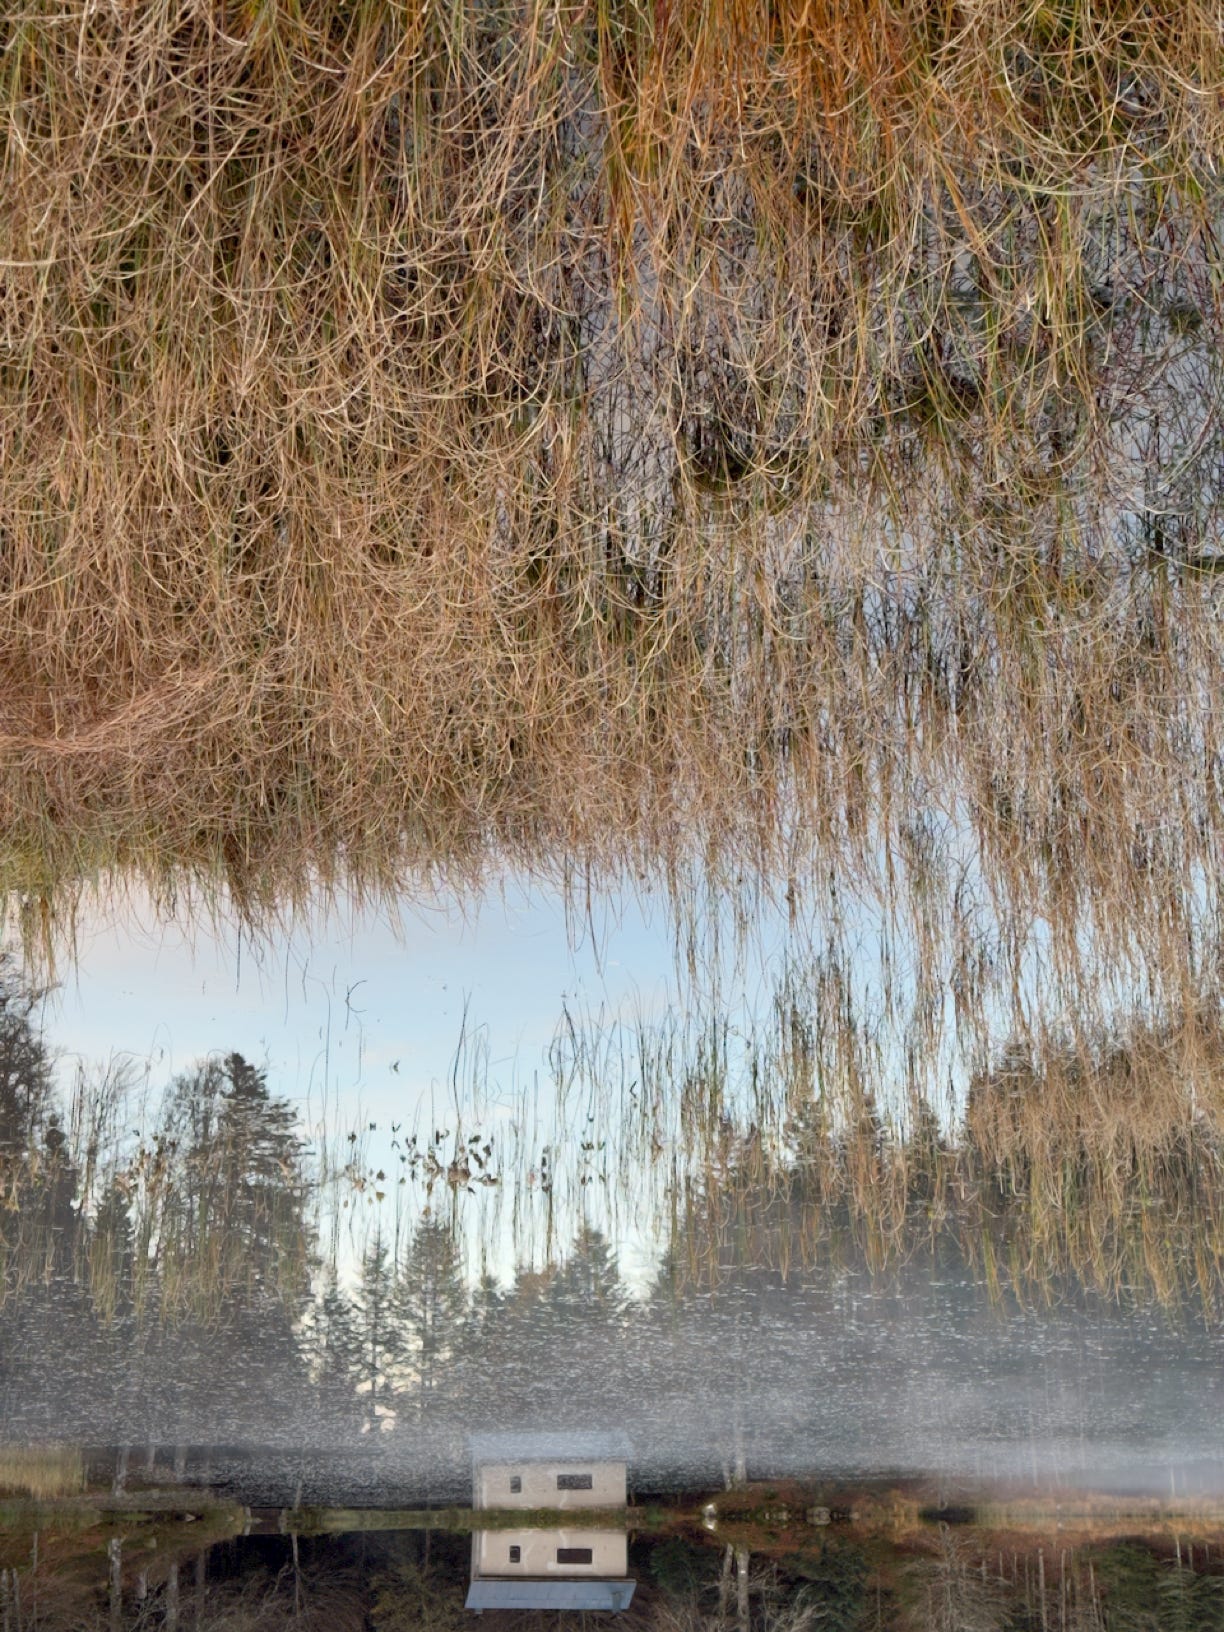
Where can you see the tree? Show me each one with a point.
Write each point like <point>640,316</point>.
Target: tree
<point>430,1305</point>
<point>234,1243</point>
<point>336,1353</point>
<point>1187,1602</point>
<point>38,1177</point>
<point>682,1570</point>
<point>25,1071</point>
<point>955,1595</point>
<point>587,1287</point>
<point>1128,1575</point>
<point>377,1331</point>
<point>235,1191</point>
<point>262,1180</point>
<point>835,1590</point>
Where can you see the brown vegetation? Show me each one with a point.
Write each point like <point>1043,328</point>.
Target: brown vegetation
<point>1090,1160</point>
<point>610,439</point>
<point>43,1472</point>
<point>1096,1163</point>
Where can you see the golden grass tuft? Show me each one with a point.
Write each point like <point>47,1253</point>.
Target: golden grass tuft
<point>609,439</point>
<point>1093,1167</point>
<point>43,1472</point>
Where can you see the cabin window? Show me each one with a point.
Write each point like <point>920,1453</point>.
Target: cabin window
<point>516,1555</point>
<point>516,1484</point>
<point>575,1555</point>
<point>574,1481</point>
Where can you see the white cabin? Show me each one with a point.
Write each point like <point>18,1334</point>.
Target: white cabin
<point>549,1470</point>
<point>565,1569</point>
<point>577,1554</point>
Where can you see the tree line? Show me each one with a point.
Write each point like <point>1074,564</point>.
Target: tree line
<point>187,1291</point>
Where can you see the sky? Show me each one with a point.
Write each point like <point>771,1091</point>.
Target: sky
<point>358,1020</point>
<point>363,1009</point>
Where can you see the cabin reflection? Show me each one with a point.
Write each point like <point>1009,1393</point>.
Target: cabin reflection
<point>566,1568</point>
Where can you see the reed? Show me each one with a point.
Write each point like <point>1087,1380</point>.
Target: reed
<point>43,1472</point>
<point>685,441</point>
<point>1077,1164</point>
<point>1095,1165</point>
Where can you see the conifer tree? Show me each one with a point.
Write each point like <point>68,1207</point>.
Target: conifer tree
<point>431,1305</point>
<point>377,1328</point>
<point>336,1353</point>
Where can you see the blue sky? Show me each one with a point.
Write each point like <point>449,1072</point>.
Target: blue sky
<point>358,1020</point>
<point>332,1008</point>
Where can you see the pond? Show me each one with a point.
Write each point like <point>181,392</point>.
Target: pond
<point>257,1344</point>
<point>611,815</point>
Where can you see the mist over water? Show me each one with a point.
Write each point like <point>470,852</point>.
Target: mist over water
<point>612,713</point>
<point>926,1379</point>
<point>207,1294</point>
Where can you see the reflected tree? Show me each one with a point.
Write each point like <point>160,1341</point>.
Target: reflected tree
<point>429,1307</point>
<point>955,1593</point>
<point>379,1341</point>
<point>25,1070</point>
<point>336,1353</point>
<point>238,1201</point>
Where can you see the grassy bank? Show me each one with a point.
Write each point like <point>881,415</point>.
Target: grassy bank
<point>465,1520</point>
<point>434,440</point>
<point>40,1472</point>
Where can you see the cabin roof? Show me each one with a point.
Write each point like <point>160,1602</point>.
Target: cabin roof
<point>487,1593</point>
<point>554,1446</point>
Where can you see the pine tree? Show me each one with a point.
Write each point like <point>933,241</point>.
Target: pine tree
<point>25,1071</point>
<point>377,1328</point>
<point>262,1181</point>
<point>41,1230</point>
<point>588,1287</point>
<point>235,1200</point>
<point>336,1353</point>
<point>431,1305</point>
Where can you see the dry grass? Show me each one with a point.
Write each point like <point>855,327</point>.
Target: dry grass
<point>1086,1162</point>
<point>44,1472</point>
<point>1090,1161</point>
<point>1088,1167</point>
<point>610,439</point>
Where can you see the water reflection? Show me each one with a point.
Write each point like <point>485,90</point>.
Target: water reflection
<point>1026,1294</point>
<point>577,1566</point>
<point>752,1560</point>
<point>958,1369</point>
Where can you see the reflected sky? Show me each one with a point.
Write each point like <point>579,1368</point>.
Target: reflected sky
<point>361,1007</point>
<point>367,1023</point>
<point>921,1371</point>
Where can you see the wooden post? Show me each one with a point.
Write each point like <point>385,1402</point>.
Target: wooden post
<point>1041,1587</point>
<point>114,1552</point>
